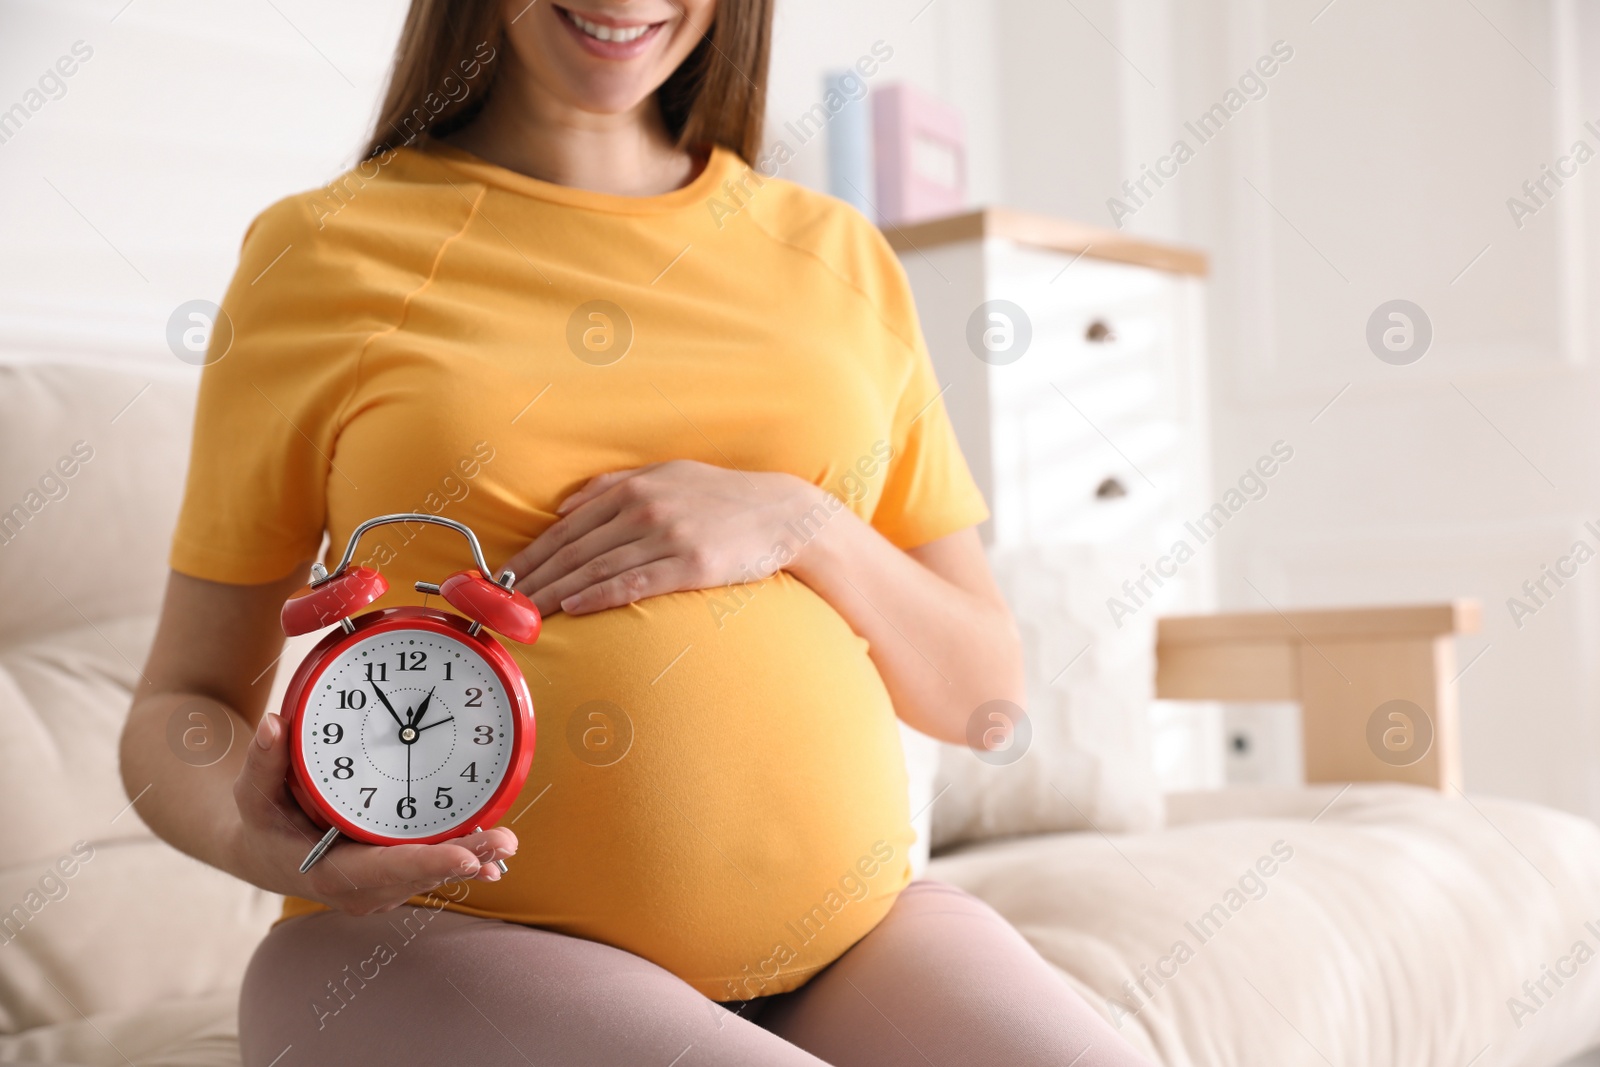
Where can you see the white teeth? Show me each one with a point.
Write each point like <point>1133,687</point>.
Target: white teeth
<point>620,34</point>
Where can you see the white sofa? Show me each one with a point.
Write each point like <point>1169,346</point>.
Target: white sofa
<point>1375,925</point>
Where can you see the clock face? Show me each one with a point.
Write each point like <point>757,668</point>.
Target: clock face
<point>407,733</point>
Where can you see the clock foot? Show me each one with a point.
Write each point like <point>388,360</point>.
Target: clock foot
<point>320,849</point>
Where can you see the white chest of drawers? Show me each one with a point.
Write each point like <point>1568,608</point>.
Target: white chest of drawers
<point>1090,443</point>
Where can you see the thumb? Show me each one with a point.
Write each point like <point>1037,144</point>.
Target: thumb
<point>261,787</point>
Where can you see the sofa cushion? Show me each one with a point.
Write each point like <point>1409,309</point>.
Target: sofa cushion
<point>203,1032</point>
<point>96,915</point>
<point>91,469</point>
<point>1086,760</point>
<point>1374,925</point>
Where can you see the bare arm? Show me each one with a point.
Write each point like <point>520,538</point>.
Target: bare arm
<point>213,652</point>
<point>941,633</point>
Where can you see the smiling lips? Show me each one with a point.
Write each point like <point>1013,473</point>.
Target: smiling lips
<point>608,39</point>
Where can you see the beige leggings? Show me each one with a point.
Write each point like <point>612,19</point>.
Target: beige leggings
<point>941,980</point>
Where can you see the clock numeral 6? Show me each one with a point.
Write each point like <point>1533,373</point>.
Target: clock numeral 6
<point>483,735</point>
<point>407,808</point>
<point>441,797</point>
<point>344,767</point>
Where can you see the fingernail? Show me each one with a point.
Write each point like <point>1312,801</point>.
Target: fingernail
<point>572,603</point>
<point>489,873</point>
<point>468,867</point>
<point>267,731</point>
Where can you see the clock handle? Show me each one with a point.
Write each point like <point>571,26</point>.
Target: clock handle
<point>319,574</point>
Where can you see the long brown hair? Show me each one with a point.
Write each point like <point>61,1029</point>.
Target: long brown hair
<point>446,64</point>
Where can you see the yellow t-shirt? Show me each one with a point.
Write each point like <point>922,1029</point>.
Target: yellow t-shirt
<point>421,336</point>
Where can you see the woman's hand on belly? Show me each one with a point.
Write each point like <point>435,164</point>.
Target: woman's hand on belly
<point>939,632</point>
<point>663,528</point>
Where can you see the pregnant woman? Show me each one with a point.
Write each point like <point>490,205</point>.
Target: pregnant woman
<point>690,407</point>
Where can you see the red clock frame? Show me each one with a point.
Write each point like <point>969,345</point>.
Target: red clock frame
<point>302,783</point>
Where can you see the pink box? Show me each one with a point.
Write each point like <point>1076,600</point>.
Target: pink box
<point>919,142</point>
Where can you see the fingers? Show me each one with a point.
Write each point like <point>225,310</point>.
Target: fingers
<point>362,879</point>
<point>596,564</point>
<point>497,843</point>
<point>651,579</point>
<point>489,846</point>
<point>597,485</point>
<point>565,531</point>
<point>259,790</point>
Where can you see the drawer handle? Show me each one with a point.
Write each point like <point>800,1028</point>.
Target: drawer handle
<point>1110,489</point>
<point>1100,333</point>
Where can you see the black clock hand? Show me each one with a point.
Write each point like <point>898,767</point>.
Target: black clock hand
<point>431,725</point>
<point>408,773</point>
<point>422,708</point>
<point>388,705</point>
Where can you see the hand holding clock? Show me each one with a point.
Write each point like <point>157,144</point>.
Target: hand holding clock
<point>354,878</point>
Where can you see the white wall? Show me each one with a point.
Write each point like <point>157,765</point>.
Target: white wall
<point>129,194</point>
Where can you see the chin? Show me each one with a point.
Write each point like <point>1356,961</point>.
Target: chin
<point>606,95</point>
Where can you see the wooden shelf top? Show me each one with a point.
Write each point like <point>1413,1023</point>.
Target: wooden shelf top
<point>1339,624</point>
<point>1042,231</point>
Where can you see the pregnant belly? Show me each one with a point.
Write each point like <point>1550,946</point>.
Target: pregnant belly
<point>718,787</point>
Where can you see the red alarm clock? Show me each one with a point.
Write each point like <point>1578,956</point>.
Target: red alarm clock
<point>408,725</point>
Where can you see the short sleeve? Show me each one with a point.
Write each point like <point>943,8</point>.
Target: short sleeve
<point>929,491</point>
<point>270,396</point>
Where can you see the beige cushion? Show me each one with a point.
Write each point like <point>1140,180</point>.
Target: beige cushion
<point>1394,934</point>
<point>1087,764</point>
<point>98,550</point>
<point>203,1032</point>
<point>137,923</point>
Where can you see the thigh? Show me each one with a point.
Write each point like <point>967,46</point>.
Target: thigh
<point>419,986</point>
<point>944,979</point>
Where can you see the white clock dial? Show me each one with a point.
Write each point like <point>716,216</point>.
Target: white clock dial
<point>406,733</point>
